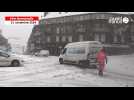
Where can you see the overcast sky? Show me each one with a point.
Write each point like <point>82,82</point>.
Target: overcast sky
<point>21,32</point>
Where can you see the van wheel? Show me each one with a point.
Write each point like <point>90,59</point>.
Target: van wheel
<point>80,63</point>
<point>61,60</point>
<point>84,63</point>
<point>15,63</point>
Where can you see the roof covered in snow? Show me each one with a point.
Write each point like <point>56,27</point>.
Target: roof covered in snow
<point>62,14</point>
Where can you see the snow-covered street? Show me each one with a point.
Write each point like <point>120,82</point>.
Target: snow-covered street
<point>47,72</point>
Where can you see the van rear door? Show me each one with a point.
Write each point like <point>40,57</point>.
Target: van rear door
<point>93,50</point>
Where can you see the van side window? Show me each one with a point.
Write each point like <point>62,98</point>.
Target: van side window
<point>76,51</point>
<point>80,50</point>
<point>70,50</point>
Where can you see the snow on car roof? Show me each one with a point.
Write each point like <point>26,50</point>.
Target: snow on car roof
<point>62,14</point>
<point>83,43</point>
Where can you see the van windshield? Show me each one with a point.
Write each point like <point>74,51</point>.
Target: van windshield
<point>64,51</point>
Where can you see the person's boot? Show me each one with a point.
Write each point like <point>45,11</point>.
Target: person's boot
<point>100,73</point>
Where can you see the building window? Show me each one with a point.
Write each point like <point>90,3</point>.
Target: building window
<point>58,30</point>
<point>81,38</point>
<point>57,39</point>
<point>48,39</point>
<point>86,17</point>
<point>48,29</point>
<point>81,18</point>
<point>63,38</point>
<point>97,25</point>
<point>103,38</point>
<point>100,37</point>
<point>62,30</point>
<point>132,28</point>
<point>97,37</point>
<point>122,39</point>
<point>31,46</point>
<point>132,37</point>
<point>38,40</point>
<point>81,28</point>
<point>77,18</point>
<point>115,39</point>
<point>70,38</point>
<point>68,29</point>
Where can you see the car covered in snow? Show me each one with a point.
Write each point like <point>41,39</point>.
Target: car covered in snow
<point>10,59</point>
<point>81,53</point>
<point>42,53</point>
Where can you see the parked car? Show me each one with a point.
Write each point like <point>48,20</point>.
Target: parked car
<point>42,53</point>
<point>36,53</point>
<point>82,53</point>
<point>9,59</point>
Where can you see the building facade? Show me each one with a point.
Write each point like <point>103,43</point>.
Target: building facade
<point>114,30</point>
<point>4,45</point>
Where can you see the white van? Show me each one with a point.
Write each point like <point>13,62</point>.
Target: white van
<point>82,53</point>
<point>43,53</point>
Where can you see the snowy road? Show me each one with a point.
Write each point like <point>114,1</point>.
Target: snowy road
<point>39,71</point>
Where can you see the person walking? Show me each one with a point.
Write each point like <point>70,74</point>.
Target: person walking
<point>102,61</point>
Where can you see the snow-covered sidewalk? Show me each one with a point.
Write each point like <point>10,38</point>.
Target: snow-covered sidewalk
<point>124,65</point>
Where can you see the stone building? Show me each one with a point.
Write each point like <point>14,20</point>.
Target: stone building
<point>114,30</point>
